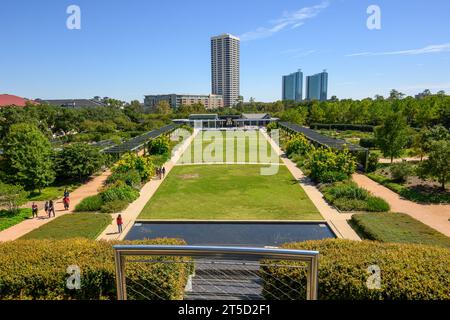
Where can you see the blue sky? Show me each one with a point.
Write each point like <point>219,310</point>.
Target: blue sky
<point>126,49</point>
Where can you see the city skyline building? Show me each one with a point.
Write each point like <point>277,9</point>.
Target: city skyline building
<point>317,86</point>
<point>225,68</point>
<point>292,86</point>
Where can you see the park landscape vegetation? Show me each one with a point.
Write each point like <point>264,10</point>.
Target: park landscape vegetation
<point>46,149</point>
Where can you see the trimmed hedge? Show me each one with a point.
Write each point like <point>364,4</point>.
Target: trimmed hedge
<point>36,269</point>
<point>120,192</point>
<point>408,272</point>
<point>342,127</point>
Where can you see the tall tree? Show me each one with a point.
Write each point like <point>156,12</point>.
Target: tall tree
<point>438,163</point>
<point>392,135</point>
<point>28,156</point>
<point>163,107</point>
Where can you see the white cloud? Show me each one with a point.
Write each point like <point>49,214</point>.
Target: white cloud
<point>425,50</point>
<point>290,20</point>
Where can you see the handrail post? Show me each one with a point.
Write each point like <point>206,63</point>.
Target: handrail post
<point>120,276</point>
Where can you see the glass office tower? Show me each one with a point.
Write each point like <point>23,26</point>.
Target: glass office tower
<point>317,86</point>
<point>292,86</point>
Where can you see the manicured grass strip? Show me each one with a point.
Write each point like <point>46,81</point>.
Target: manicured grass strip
<point>397,227</point>
<point>52,192</point>
<point>230,192</point>
<point>409,193</point>
<point>77,225</point>
<point>8,219</point>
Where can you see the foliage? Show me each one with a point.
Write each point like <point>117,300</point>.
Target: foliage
<point>88,204</point>
<point>12,196</point>
<point>294,115</point>
<point>298,144</point>
<point>9,219</point>
<point>401,171</point>
<point>78,161</point>
<point>272,126</point>
<point>131,161</point>
<point>160,145</point>
<point>114,206</point>
<point>397,227</point>
<point>39,270</point>
<point>28,155</point>
<point>322,161</point>
<point>119,192</point>
<point>131,178</point>
<point>438,163</point>
<point>412,194</point>
<point>392,135</point>
<point>342,127</point>
<point>347,196</point>
<point>409,272</point>
<point>372,163</point>
<point>163,107</point>
<point>368,143</point>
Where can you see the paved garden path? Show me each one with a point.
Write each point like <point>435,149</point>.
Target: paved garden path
<point>86,190</point>
<point>337,221</point>
<point>434,215</point>
<point>130,214</point>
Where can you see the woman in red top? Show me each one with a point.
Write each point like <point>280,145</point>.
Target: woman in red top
<point>119,223</point>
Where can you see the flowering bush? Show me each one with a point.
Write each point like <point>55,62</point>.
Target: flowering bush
<point>141,164</point>
<point>322,161</point>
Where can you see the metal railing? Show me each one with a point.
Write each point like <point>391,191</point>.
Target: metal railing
<point>311,258</point>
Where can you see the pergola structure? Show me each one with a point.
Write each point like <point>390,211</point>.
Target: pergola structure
<point>215,121</point>
<point>321,140</point>
<point>137,143</point>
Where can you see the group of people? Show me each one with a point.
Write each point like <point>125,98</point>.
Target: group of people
<point>49,206</point>
<point>161,172</point>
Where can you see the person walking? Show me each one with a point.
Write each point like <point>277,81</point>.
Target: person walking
<point>119,223</point>
<point>66,201</point>
<point>51,209</point>
<point>164,172</point>
<point>34,210</point>
<point>46,208</point>
<point>66,193</point>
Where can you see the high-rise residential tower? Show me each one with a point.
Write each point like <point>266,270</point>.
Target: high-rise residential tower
<point>317,86</point>
<point>225,51</point>
<point>293,87</point>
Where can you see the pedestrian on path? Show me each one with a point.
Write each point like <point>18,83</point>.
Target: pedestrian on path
<point>34,210</point>
<point>163,172</point>
<point>46,208</point>
<point>66,201</point>
<point>51,209</point>
<point>119,223</point>
<point>66,193</point>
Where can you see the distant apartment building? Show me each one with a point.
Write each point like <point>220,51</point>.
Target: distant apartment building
<point>292,86</point>
<point>73,103</point>
<point>225,68</point>
<point>317,86</point>
<point>176,100</point>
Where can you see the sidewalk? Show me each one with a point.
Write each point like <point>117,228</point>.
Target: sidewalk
<point>130,214</point>
<point>338,222</point>
<point>86,190</point>
<point>434,215</point>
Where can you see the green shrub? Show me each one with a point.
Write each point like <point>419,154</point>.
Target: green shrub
<point>37,269</point>
<point>131,161</point>
<point>298,145</point>
<point>159,145</point>
<point>332,176</point>
<point>131,178</point>
<point>321,161</point>
<point>368,143</point>
<point>408,272</point>
<point>372,163</point>
<point>401,171</point>
<point>123,192</point>
<point>114,206</point>
<point>271,126</point>
<point>376,204</point>
<point>346,204</point>
<point>345,190</point>
<point>92,203</point>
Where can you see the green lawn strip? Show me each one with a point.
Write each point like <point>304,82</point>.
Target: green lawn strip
<point>397,227</point>
<point>409,193</point>
<point>8,219</point>
<point>52,192</point>
<point>76,225</point>
<point>230,192</point>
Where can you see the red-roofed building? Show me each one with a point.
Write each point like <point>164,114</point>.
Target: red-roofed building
<point>9,100</point>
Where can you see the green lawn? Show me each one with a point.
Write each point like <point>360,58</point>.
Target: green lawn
<point>245,146</point>
<point>8,219</point>
<point>229,192</point>
<point>52,192</point>
<point>397,227</point>
<point>77,225</point>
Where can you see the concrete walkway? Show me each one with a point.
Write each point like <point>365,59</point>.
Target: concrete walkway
<point>86,190</point>
<point>130,214</point>
<point>434,215</point>
<point>338,222</point>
